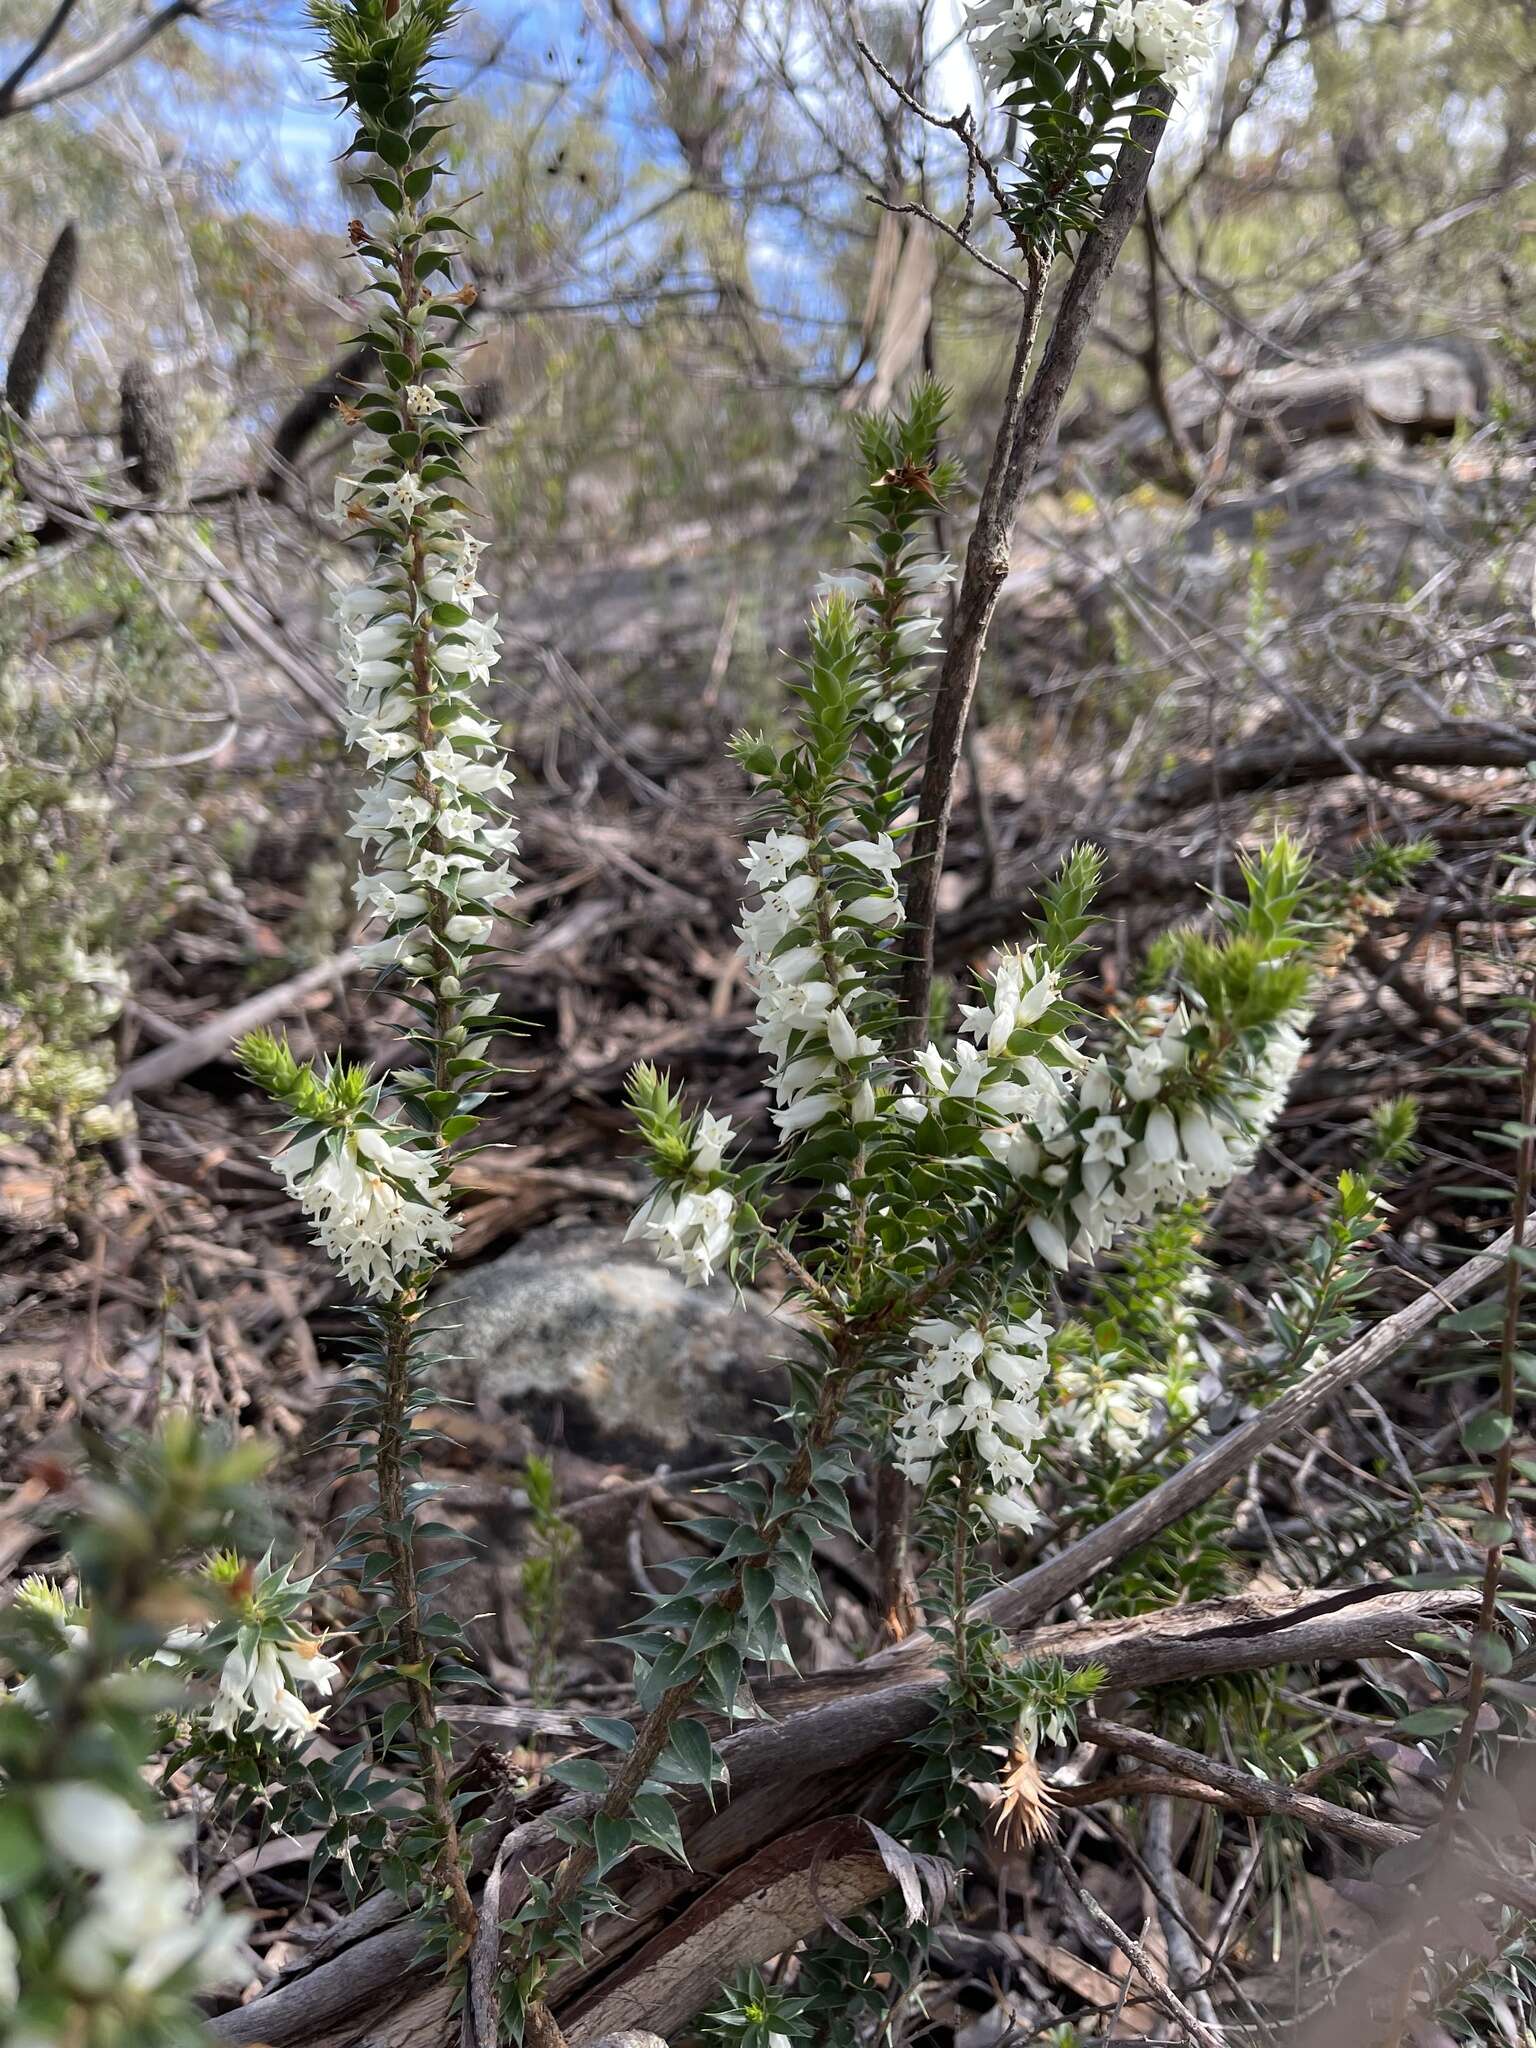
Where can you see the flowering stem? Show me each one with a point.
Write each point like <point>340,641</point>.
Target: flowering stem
<point>654,1732</point>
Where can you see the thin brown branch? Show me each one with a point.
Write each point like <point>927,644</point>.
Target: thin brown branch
<point>1162,1996</point>
<point>1245,1793</point>
<point>86,67</point>
<point>1285,764</point>
<point>1027,423</point>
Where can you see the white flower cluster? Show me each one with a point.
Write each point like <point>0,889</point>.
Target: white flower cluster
<point>691,1228</point>
<point>257,1685</point>
<point>376,1204</point>
<point>813,904</point>
<point>975,1389</point>
<point>140,1926</point>
<point>1100,1401</point>
<point>1097,1132</point>
<point>433,813</point>
<point>1140,1155</point>
<point>1174,37</point>
<point>1029,1093</point>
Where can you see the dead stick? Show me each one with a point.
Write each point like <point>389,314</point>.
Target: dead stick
<point>1034,1593</point>
<point>1245,1792</point>
<point>1028,421</point>
<point>168,1063</point>
<point>1162,1996</point>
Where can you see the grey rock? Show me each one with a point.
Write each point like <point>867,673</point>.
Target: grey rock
<point>594,1344</point>
<point>1422,387</point>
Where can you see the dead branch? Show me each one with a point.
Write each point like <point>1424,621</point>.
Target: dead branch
<point>835,1748</point>
<point>1193,2030</point>
<point>86,67</point>
<point>194,1049</point>
<point>1027,423</point>
<point>782,1896</point>
<point>1285,764</point>
<point>1244,1793</point>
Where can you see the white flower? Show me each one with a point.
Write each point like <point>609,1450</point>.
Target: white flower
<point>769,860</point>
<point>977,1382</point>
<point>89,1826</point>
<point>1203,1144</point>
<point>401,495</point>
<point>878,855</point>
<point>1047,1239</point>
<point>1174,37</point>
<point>421,400</point>
<point>841,1036</point>
<point>1161,1138</point>
<point>713,1135</point>
<point>1013,1146</point>
<point>691,1231</point>
<point>372,1202</point>
<point>254,1686</point>
<point>140,1926</point>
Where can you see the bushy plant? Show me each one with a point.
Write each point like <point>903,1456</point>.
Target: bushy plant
<point>937,1209</point>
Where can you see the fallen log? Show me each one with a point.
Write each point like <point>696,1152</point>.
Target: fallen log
<point>837,1740</point>
<point>1288,764</point>
<point>840,1743</point>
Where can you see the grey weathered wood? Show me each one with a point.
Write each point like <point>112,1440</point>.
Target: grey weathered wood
<point>195,1048</point>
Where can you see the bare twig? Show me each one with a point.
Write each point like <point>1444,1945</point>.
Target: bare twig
<point>87,66</point>
<point>194,1049</point>
<point>1162,1996</point>
<point>1027,423</point>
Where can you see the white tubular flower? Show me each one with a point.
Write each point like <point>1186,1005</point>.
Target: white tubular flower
<point>141,1926</point>
<point>712,1138</point>
<point>374,1202</point>
<point>807,996</point>
<point>912,577</point>
<point>90,1827</point>
<point>254,1689</point>
<point>1141,1154</point>
<point>1024,987</point>
<point>1105,1143</point>
<point>974,1391</point>
<point>690,1230</point>
<point>1099,1405</point>
<point>1174,37</point>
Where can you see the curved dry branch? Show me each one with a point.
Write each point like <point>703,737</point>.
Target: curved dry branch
<point>841,1737</point>
<point>88,66</point>
<point>1029,419</point>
